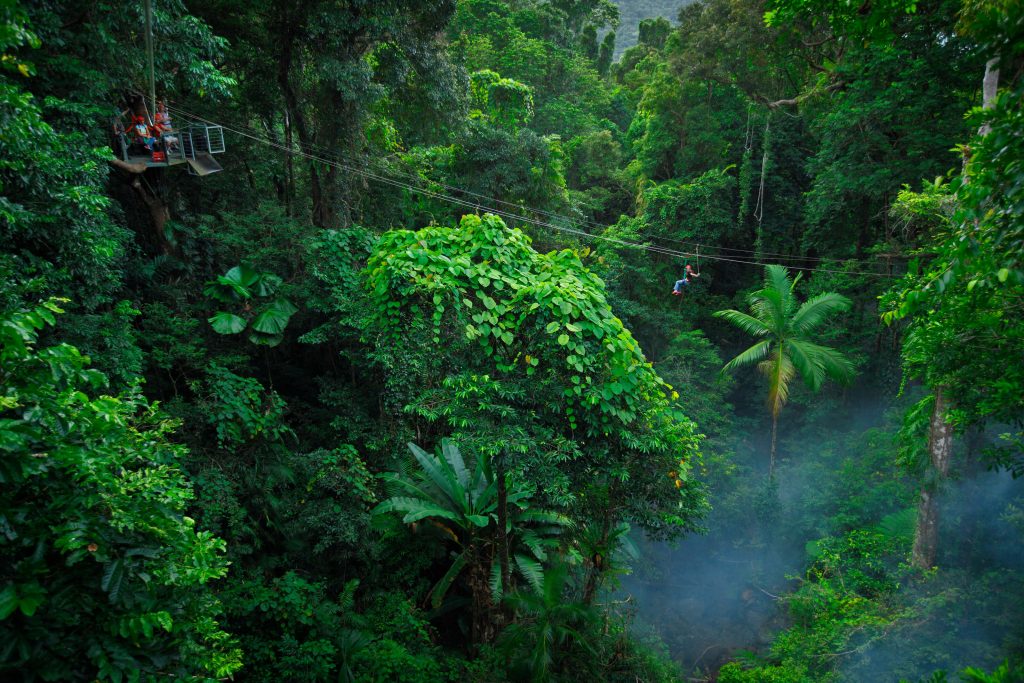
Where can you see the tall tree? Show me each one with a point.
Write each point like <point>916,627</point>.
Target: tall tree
<point>785,347</point>
<point>970,292</point>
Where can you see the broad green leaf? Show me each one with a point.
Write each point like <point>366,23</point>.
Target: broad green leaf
<point>263,339</point>
<point>113,576</point>
<point>8,601</point>
<point>267,284</point>
<point>30,597</point>
<point>226,323</point>
<point>274,318</point>
<point>242,275</point>
<point>479,520</point>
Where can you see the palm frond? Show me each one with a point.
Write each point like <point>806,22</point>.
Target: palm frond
<point>532,571</point>
<point>752,355</point>
<point>779,370</point>
<point>777,281</point>
<point>396,485</point>
<point>521,495</point>
<point>416,509</point>
<point>816,309</point>
<point>440,588</point>
<point>543,517</point>
<point>450,452</point>
<point>831,362</point>
<point>806,363</point>
<point>535,544</point>
<point>769,306</point>
<point>837,366</point>
<point>439,472</point>
<point>745,322</point>
<point>899,525</point>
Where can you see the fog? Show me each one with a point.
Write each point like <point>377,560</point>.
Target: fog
<point>972,603</point>
<point>707,599</point>
<point>711,597</point>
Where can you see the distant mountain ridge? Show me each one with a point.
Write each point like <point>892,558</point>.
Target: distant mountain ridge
<point>632,12</point>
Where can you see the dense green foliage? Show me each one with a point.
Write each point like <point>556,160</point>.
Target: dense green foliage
<point>104,576</point>
<point>403,393</point>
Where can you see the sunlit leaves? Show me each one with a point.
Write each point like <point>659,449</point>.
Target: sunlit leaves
<point>552,291</point>
<point>97,548</point>
<point>540,349</point>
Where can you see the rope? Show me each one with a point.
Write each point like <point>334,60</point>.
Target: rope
<point>336,162</point>
<point>759,208</point>
<point>149,56</point>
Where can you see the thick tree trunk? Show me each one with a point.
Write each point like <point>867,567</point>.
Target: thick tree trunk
<point>940,451</point>
<point>159,212</point>
<point>940,432</point>
<point>483,629</point>
<point>321,213</point>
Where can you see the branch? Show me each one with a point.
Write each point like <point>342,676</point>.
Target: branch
<point>817,43</point>
<point>799,98</point>
<point>125,166</point>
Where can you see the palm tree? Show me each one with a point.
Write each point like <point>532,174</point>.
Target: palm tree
<point>549,629</point>
<point>460,505</point>
<point>785,348</point>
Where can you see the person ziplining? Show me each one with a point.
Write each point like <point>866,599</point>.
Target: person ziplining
<point>685,282</point>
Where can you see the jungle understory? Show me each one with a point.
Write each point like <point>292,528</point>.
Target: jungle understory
<point>512,340</point>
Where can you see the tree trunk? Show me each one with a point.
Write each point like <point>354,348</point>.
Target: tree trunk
<point>321,213</point>
<point>503,554</point>
<point>159,212</point>
<point>482,627</point>
<point>940,450</point>
<point>775,431</point>
<point>989,88</point>
<point>940,432</point>
<point>289,169</point>
<point>599,560</point>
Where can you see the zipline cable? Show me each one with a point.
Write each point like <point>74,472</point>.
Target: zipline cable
<point>499,212</point>
<point>715,250</point>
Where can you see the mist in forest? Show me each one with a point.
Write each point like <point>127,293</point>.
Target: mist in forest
<point>711,597</point>
<point>707,599</point>
<point>973,600</point>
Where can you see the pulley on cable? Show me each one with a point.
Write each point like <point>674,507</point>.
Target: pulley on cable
<point>142,140</point>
